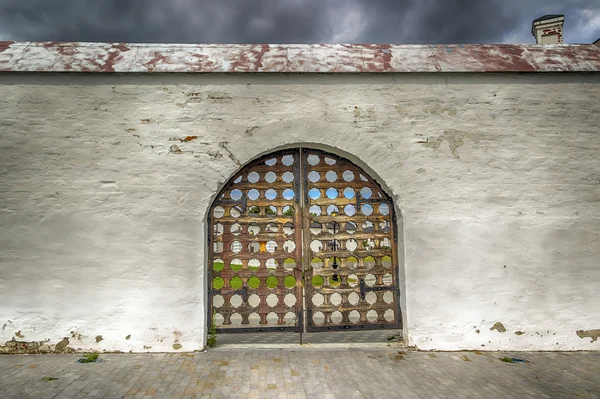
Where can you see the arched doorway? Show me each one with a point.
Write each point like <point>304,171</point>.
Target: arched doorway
<point>303,240</point>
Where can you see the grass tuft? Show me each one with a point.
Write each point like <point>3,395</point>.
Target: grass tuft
<point>89,358</point>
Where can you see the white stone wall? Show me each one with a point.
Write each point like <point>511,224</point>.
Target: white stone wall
<point>105,182</point>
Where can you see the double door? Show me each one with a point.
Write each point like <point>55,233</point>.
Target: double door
<point>303,240</point>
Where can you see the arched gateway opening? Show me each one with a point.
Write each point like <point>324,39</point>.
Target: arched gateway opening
<point>303,240</point>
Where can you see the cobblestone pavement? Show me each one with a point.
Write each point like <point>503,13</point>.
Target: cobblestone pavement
<point>303,373</point>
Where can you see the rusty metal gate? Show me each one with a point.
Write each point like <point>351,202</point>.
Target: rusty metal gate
<point>303,240</point>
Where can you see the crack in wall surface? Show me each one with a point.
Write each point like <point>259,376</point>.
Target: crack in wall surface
<point>223,145</point>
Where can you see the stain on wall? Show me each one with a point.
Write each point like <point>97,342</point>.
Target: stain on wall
<point>175,149</point>
<point>498,327</point>
<point>364,115</point>
<point>178,336</point>
<point>454,138</point>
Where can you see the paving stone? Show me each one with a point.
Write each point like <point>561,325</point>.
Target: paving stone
<point>304,373</point>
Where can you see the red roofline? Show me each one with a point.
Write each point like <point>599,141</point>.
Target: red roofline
<point>314,58</point>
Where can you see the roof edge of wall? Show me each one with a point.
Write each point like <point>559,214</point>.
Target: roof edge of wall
<point>305,58</point>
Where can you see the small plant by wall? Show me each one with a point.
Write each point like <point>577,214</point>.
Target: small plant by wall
<point>211,340</point>
<point>90,358</point>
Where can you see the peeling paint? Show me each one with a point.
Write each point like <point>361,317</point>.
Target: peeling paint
<point>189,138</point>
<point>593,334</point>
<point>18,334</point>
<point>498,327</point>
<point>62,346</point>
<point>35,347</point>
<point>99,338</point>
<point>519,333</point>
<point>128,337</point>
<point>4,45</point>
<point>177,346</point>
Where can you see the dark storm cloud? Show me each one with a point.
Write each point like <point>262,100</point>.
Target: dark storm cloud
<point>190,21</point>
<point>423,21</point>
<point>467,21</point>
<point>291,21</point>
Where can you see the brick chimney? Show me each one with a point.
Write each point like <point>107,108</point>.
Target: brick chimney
<point>548,29</point>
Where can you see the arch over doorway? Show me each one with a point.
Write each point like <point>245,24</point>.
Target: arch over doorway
<point>303,240</point>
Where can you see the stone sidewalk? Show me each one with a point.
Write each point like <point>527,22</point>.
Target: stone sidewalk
<point>303,373</point>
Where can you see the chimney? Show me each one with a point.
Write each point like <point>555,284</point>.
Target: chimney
<point>548,29</point>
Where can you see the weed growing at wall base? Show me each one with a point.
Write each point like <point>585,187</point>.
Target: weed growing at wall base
<point>89,358</point>
<point>211,340</point>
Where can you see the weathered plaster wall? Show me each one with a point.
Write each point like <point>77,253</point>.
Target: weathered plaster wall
<point>105,181</point>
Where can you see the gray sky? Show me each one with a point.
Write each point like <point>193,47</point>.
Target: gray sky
<point>293,21</point>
